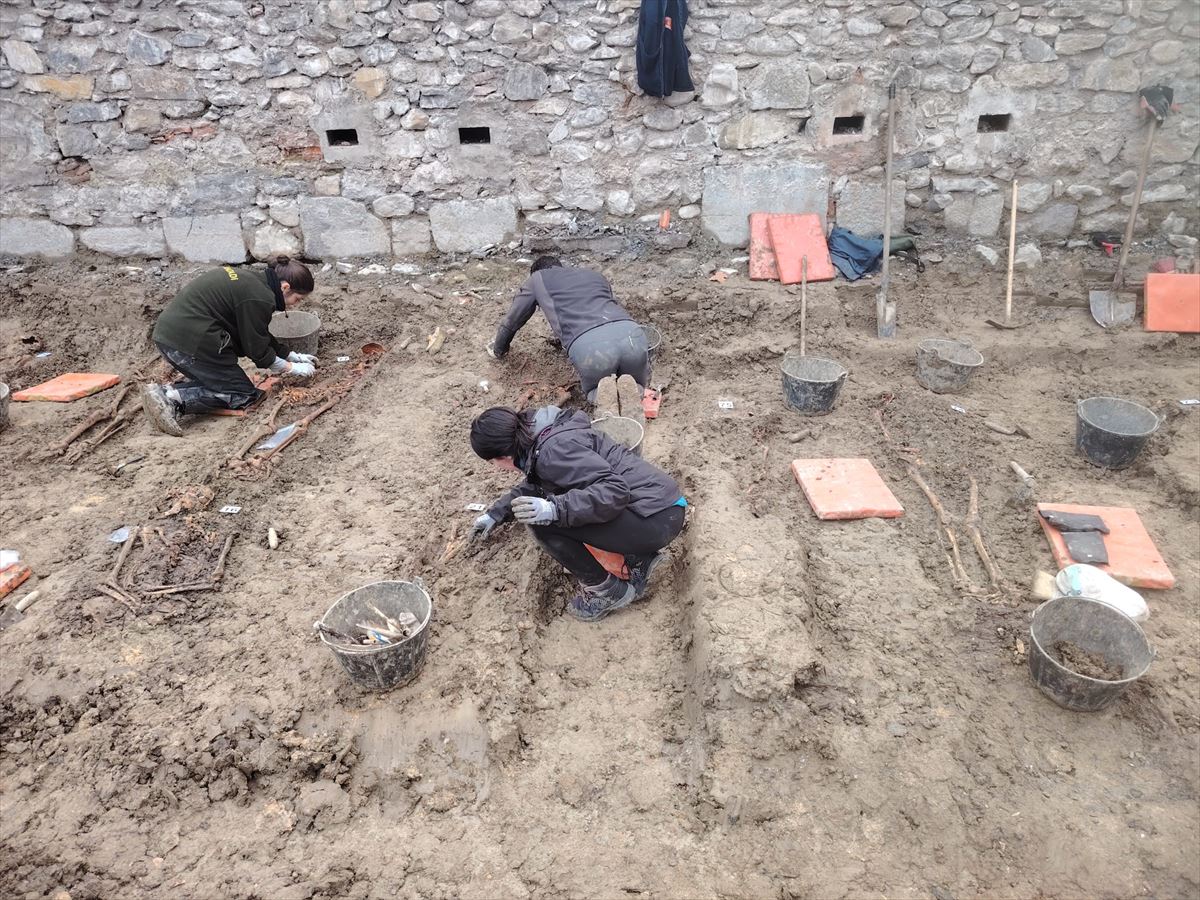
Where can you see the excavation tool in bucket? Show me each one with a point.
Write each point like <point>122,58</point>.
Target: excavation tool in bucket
<point>811,384</point>
<point>1114,305</point>
<point>885,311</point>
<point>379,633</point>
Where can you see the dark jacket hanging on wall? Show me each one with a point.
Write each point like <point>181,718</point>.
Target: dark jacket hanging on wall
<point>662,56</point>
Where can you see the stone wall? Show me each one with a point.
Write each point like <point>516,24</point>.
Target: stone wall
<point>209,128</point>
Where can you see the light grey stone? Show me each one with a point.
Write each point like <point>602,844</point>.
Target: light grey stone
<point>941,80</point>
<point>155,84</point>
<point>76,140</point>
<point>508,29</point>
<point>1027,75</point>
<point>1166,52</point>
<point>779,84</point>
<point>1162,193</point>
<point>1028,256</point>
<point>732,192</point>
<point>525,82</point>
<point>363,184</point>
<point>985,59</point>
<point>411,236</point>
<point>1174,223</point>
<point>580,41</point>
<point>663,118</point>
<point>146,49</point>
<point>34,237</point>
<point>978,216</point>
<point>71,56</point>
<point>1120,75</point>
<point>272,240</point>
<point>990,256</point>
<point>125,240</point>
<point>393,206</point>
<point>404,145</point>
<point>966,29</point>
<point>142,118</point>
<point>619,203</point>
<point>206,238</point>
<point>460,226</point>
<point>337,227</point>
<point>757,129</point>
<point>898,15</point>
<point>580,189</point>
<point>286,213</point>
<point>1034,49</point>
<point>91,112</point>
<point>415,120</point>
<point>190,39</point>
<point>21,57</point>
<point>1056,220</point>
<point>720,88</point>
<point>935,18</point>
<point>860,206</point>
<point>423,12</point>
<point>1070,42</point>
<point>690,211</point>
<point>859,26</point>
<point>1031,195</point>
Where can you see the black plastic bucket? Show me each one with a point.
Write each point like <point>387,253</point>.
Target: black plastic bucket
<point>1111,432</point>
<point>380,667</point>
<point>1095,628</point>
<point>297,330</point>
<point>811,384</point>
<point>945,367</point>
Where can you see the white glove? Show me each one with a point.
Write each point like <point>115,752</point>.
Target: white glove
<point>534,511</point>
<point>302,358</point>
<point>301,370</point>
<point>279,366</point>
<point>482,527</point>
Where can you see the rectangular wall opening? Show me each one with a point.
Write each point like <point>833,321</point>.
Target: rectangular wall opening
<point>992,123</point>
<point>848,124</point>
<point>342,137</point>
<point>475,135</point>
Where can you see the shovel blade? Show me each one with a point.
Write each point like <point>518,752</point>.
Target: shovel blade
<point>1109,308</point>
<point>885,327</point>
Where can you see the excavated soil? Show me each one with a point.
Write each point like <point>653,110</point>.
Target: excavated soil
<point>800,709</point>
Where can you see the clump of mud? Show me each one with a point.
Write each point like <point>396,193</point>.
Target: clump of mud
<point>1090,665</point>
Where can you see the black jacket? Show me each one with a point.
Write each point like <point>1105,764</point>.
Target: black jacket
<point>572,300</point>
<point>590,477</point>
<point>224,314</point>
<point>662,55</point>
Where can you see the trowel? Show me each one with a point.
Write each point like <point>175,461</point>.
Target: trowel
<point>1115,306</point>
<point>15,612</point>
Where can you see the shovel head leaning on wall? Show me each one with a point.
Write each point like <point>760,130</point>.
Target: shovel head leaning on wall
<point>1109,308</point>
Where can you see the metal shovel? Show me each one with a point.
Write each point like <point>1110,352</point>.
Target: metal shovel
<point>1108,307</point>
<point>15,612</point>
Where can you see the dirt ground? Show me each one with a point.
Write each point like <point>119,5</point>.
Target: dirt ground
<point>800,709</point>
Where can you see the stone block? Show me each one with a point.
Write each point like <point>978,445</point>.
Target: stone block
<point>1056,220</point>
<point>393,206</point>
<point>35,237</point>
<point>1028,256</point>
<point>860,207</point>
<point>157,84</point>
<point>335,226</point>
<point>216,239</point>
<point>142,118</point>
<point>364,185</point>
<point>370,81</point>
<point>147,50</point>
<point>21,57</point>
<point>460,226</point>
<point>1120,75</point>
<point>77,113</point>
<point>732,192</point>
<point>1031,195</point>
<point>757,129</point>
<point>1070,42</point>
<point>76,140</point>
<point>663,118</point>
<point>411,236</point>
<point>524,81</point>
<point>272,240</point>
<point>72,87</point>
<point>347,135</point>
<point>125,240</point>
<point>720,88</point>
<point>978,216</point>
<point>779,84</point>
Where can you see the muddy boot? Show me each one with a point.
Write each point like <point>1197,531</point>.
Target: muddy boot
<point>597,601</point>
<point>160,410</point>
<point>641,568</point>
<point>607,403</point>
<point>629,393</point>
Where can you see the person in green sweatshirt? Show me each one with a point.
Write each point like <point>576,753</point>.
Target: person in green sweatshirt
<point>215,319</point>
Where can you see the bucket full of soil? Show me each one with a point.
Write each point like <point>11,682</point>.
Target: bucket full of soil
<point>945,367</point>
<point>1085,653</point>
<point>625,431</point>
<point>297,330</point>
<point>811,384</point>
<point>379,633</point>
<point>1111,432</point>
<point>5,396</point>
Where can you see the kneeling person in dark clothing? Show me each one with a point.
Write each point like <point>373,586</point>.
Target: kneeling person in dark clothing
<point>596,332</point>
<point>581,487</point>
<point>216,318</point>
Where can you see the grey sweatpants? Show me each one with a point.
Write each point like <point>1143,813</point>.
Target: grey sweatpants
<point>615,348</point>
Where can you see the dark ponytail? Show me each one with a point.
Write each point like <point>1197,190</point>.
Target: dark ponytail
<point>501,431</point>
<point>294,272</point>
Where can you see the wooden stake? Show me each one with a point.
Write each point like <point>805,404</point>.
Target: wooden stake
<point>1012,249</point>
<point>803,300</point>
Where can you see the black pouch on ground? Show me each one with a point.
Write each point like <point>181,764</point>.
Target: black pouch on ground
<point>1065,521</point>
<point>1086,546</point>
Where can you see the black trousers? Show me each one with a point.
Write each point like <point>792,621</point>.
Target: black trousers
<point>628,534</point>
<point>210,385</point>
<point>615,348</point>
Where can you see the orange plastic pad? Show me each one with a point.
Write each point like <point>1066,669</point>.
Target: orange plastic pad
<point>68,387</point>
<point>614,563</point>
<point>1132,557</point>
<point>845,489</point>
<point>12,577</point>
<point>1173,302</point>
<point>651,401</point>
<point>267,384</point>
<point>762,251</point>
<point>797,236</point>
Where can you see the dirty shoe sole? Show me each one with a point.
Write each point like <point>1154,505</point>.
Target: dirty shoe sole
<point>159,411</point>
<point>606,397</point>
<point>642,586</point>
<point>630,398</point>
<point>588,612</point>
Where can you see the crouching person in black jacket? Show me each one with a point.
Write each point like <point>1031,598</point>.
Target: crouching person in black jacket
<point>580,488</point>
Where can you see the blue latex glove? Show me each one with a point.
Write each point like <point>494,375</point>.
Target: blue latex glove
<point>534,511</point>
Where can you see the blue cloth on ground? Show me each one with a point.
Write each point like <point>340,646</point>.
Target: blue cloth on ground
<point>682,501</point>
<point>854,256</point>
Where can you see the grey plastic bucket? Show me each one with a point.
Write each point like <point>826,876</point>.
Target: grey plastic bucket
<point>944,366</point>
<point>1111,432</point>
<point>1095,628</point>
<point>380,667</point>
<point>5,396</point>
<point>297,330</point>
<point>625,431</point>
<point>811,384</point>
